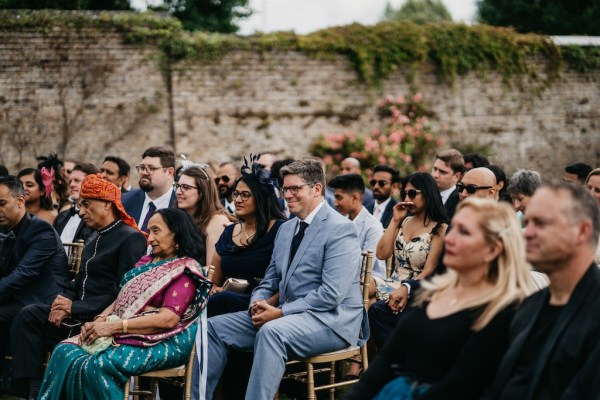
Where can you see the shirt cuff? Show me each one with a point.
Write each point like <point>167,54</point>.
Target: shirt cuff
<point>407,287</point>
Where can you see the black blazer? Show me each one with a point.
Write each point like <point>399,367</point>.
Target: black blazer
<point>83,231</point>
<point>36,270</point>
<point>388,213</point>
<point>134,200</point>
<point>451,204</point>
<point>570,360</point>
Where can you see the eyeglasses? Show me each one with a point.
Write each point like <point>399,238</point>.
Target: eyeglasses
<point>292,189</point>
<point>223,178</point>
<point>374,182</point>
<point>245,195</point>
<point>471,189</point>
<point>184,188</point>
<point>411,193</point>
<point>147,169</point>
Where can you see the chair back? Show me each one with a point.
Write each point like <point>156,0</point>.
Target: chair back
<point>74,251</point>
<point>210,270</point>
<point>365,275</point>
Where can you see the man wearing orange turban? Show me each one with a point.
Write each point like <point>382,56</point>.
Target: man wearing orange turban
<point>115,249</point>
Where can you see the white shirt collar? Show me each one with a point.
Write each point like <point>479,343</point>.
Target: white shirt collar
<point>309,218</point>
<point>446,193</point>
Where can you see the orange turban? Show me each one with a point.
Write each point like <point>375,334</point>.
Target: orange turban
<point>96,188</point>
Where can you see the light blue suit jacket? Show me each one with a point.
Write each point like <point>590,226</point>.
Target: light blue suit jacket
<point>369,231</point>
<point>319,280</point>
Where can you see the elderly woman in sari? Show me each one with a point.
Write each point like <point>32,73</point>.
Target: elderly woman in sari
<point>151,324</point>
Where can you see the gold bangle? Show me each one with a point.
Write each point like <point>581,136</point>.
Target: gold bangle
<point>125,322</point>
<point>99,316</point>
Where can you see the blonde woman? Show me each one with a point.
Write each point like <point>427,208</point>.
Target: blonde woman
<point>447,346</point>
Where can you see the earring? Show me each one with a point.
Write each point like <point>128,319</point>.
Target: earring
<point>177,247</point>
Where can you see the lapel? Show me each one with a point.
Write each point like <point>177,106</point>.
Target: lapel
<point>173,201</point>
<point>389,210</point>
<point>577,300</point>
<point>359,222</point>
<point>309,235</point>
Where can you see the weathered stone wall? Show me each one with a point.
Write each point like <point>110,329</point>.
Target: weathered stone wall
<point>86,95</point>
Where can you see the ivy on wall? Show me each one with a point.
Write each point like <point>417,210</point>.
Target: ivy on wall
<point>374,51</point>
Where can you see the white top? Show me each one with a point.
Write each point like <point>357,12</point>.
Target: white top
<point>379,209</point>
<point>68,233</point>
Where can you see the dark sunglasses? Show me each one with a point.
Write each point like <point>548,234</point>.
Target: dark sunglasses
<point>223,178</point>
<point>471,189</point>
<point>374,182</point>
<point>411,193</point>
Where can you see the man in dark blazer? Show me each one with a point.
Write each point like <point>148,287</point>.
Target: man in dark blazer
<point>114,250</point>
<point>385,180</point>
<point>447,171</point>
<point>156,185</point>
<point>554,346</point>
<point>33,263</point>
<point>68,223</point>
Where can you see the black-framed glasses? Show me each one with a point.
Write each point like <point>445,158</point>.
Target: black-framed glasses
<point>245,195</point>
<point>292,189</point>
<point>411,193</point>
<point>471,189</point>
<point>184,187</point>
<point>381,183</point>
<point>223,178</point>
<point>147,169</point>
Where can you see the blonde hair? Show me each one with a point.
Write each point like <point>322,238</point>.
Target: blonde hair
<point>509,273</point>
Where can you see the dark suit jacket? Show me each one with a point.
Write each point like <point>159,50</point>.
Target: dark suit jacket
<point>451,204</point>
<point>36,270</point>
<point>134,200</point>
<point>388,213</point>
<point>570,360</point>
<point>83,231</point>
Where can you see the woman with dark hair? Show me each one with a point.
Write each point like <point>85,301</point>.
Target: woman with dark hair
<point>52,169</point>
<point>244,249</point>
<point>151,325</point>
<point>38,200</point>
<point>416,240</point>
<point>197,195</point>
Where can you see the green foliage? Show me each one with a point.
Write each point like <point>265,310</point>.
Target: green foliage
<point>209,15</point>
<point>66,4</point>
<point>552,17</point>
<point>405,141</point>
<point>419,12</point>
<point>373,51</point>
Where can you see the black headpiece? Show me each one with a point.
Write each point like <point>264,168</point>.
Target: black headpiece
<point>253,170</point>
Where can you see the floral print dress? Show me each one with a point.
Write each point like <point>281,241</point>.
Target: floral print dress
<point>410,260</point>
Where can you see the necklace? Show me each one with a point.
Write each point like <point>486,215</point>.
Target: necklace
<point>248,237</point>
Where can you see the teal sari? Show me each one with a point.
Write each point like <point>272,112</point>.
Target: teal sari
<point>73,373</point>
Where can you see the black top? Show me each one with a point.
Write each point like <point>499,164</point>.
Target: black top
<point>444,352</point>
<point>250,262</point>
<point>518,384</point>
<point>114,251</point>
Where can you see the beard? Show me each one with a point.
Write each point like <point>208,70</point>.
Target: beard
<point>146,185</point>
<point>225,194</point>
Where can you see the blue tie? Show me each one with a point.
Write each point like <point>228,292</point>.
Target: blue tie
<point>296,240</point>
<point>151,209</point>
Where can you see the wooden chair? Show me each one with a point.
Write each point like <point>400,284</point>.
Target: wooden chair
<point>74,251</point>
<point>350,354</point>
<point>170,375</point>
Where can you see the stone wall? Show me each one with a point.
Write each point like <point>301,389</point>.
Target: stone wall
<point>88,94</point>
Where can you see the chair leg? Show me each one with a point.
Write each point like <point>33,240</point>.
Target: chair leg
<point>126,390</point>
<point>154,385</point>
<point>310,381</point>
<point>332,380</point>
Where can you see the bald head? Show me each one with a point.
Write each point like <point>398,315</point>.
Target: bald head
<point>350,165</point>
<point>478,182</point>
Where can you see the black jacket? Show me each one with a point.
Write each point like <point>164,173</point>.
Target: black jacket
<point>83,231</point>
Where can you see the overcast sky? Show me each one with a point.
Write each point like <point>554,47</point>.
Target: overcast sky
<point>303,16</point>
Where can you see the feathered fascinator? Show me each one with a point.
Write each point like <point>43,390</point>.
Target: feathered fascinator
<point>48,166</point>
<point>253,170</point>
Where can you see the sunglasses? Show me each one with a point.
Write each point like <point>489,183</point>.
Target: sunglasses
<point>411,193</point>
<point>471,189</point>
<point>223,178</point>
<point>374,182</point>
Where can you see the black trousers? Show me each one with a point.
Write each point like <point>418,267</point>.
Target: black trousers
<point>8,312</point>
<point>31,337</point>
<point>381,322</point>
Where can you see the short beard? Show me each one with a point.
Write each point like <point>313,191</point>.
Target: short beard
<point>146,187</point>
<point>227,193</point>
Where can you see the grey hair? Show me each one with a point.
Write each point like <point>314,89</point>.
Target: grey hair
<point>524,181</point>
<point>582,206</point>
<point>311,172</point>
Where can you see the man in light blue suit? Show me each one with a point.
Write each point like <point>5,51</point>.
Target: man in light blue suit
<point>348,199</point>
<point>309,301</point>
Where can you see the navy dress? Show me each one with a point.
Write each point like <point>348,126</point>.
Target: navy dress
<point>248,263</point>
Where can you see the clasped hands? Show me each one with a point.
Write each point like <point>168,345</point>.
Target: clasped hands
<point>59,310</point>
<point>398,299</point>
<point>91,331</point>
<point>262,312</point>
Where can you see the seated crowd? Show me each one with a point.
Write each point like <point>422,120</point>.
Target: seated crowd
<point>483,287</point>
